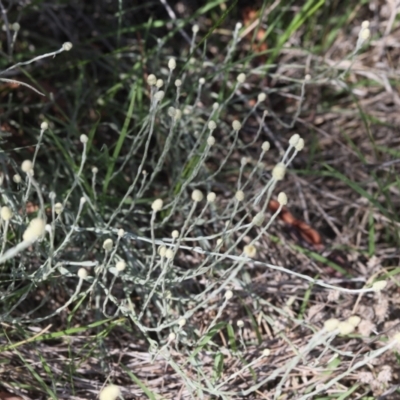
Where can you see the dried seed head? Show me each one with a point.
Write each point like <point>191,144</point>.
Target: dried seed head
<point>157,205</point>
<point>35,230</point>
<point>228,294</point>
<point>58,208</point>
<point>211,197</point>
<point>265,146</point>
<point>241,77</point>
<point>108,244</point>
<point>17,178</point>
<point>331,324</point>
<point>294,139</point>
<point>239,195</point>
<point>171,64</point>
<point>250,250</point>
<point>211,141</point>
<point>258,219</point>
<point>82,273</point>
<point>261,97</point>
<point>278,173</point>
<point>27,166</point>
<point>197,195</point>
<point>44,126</point>
<point>300,145</point>
<point>212,125</point>
<point>67,46</point>
<point>151,80</point>
<point>120,265</point>
<point>5,213</point>
<point>236,125</point>
<point>282,199</point>
<point>175,234</point>
<point>110,392</point>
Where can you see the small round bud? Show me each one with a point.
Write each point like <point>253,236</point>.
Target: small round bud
<point>157,205</point>
<point>178,114</point>
<point>236,125</point>
<point>331,324</point>
<point>250,250</point>
<point>159,95</point>
<point>171,337</point>
<point>307,77</point>
<point>240,323</point>
<point>152,80</point>
<point>171,112</point>
<point>108,244</point>
<point>17,178</point>
<point>35,229</point>
<point>197,195</point>
<point>354,320</point>
<point>365,24</point>
<point>175,234</point>
<point>211,197</point>
<point>294,139</point>
<point>266,352</point>
<point>82,200</point>
<point>82,273</point>
<point>215,106</point>
<point>95,170</point>
<point>5,213</point>
<point>195,28</point>
<point>211,141</point>
<point>159,83</point>
<point>265,146</point>
<point>120,233</point>
<point>261,97</point>
<point>171,64</point>
<point>278,173</point>
<point>67,46</point>
<point>212,125</point>
<point>238,25</point>
<point>120,265</point>
<point>202,81</point>
<point>228,294</point>
<point>110,392</point>
<point>345,328</point>
<point>178,83</point>
<point>241,77</point>
<point>282,199</point>
<point>162,251</point>
<point>300,145</point>
<point>379,285</point>
<point>44,125</point>
<point>182,322</point>
<point>58,208</point>
<point>258,219</point>
<point>239,195</point>
<point>219,241</point>
<point>27,166</point>
<point>83,138</point>
<point>15,26</point>
<point>169,254</point>
<point>365,34</point>
<point>396,337</point>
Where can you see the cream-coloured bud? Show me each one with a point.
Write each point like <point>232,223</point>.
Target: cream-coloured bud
<point>195,28</point>
<point>379,285</point>
<point>171,337</point>
<point>265,146</point>
<point>178,114</point>
<point>44,126</point>
<point>365,34</point>
<point>27,166</point>
<point>159,95</point>
<point>171,64</point>
<point>175,234</point>
<point>307,77</point>
<point>162,250</point>
<point>278,173</point>
<point>215,106</point>
<point>159,83</point>
<point>157,205</point>
<point>228,294</point>
<point>240,323</point>
<point>108,244</point>
<point>110,392</point>
<point>120,233</point>
<point>300,145</point>
<point>282,199</point>
<point>35,230</point>
<point>345,328</point>
<point>236,125</point>
<point>261,97</point>
<point>219,241</point>
<point>211,197</point>
<point>120,265</point>
<point>5,213</point>
<point>239,195</point>
<point>250,250</point>
<point>171,112</point>
<point>238,25</point>
<point>17,178</point>
<point>212,125</point>
<point>241,77</point>
<point>67,46</point>
<point>294,139</point>
<point>151,80</point>
<point>83,138</point>
<point>197,195</point>
<point>178,83</point>
<point>15,26</point>
<point>354,320</point>
<point>169,254</point>
<point>258,219</point>
<point>182,322</point>
<point>58,208</point>
<point>95,170</point>
<point>211,141</point>
<point>331,324</point>
<point>396,337</point>
<point>365,24</point>
<point>82,273</point>
<point>202,81</point>
<point>266,352</point>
